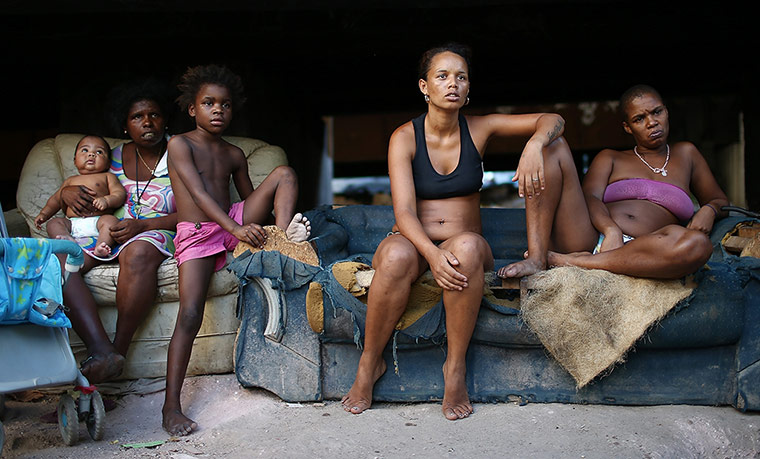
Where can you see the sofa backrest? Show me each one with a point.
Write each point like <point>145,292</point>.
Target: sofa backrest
<point>52,159</point>
<point>367,225</point>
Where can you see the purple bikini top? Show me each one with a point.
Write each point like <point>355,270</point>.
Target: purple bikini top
<point>669,196</point>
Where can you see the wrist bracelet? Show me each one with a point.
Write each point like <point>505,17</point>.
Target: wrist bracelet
<point>715,211</point>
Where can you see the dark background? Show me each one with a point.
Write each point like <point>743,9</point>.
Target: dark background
<point>304,60</point>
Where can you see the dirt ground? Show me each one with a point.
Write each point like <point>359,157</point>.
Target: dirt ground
<point>242,423</point>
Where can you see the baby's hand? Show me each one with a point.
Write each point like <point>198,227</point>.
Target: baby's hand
<point>39,220</point>
<point>100,203</point>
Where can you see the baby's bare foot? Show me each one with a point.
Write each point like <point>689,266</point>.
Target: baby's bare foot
<point>177,423</point>
<point>102,250</point>
<point>299,228</point>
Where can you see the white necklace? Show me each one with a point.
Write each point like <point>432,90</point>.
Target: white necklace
<point>657,170</point>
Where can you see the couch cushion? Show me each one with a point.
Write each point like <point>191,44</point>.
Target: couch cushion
<point>713,316</point>
<point>102,282</point>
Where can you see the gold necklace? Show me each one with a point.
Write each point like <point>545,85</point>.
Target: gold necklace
<point>138,206</point>
<point>153,170</point>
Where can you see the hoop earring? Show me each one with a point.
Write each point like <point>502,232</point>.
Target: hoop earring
<point>467,101</point>
<point>427,98</point>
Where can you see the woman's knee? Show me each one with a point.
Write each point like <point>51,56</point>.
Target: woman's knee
<point>396,260</point>
<point>558,149</point>
<point>694,247</point>
<point>687,248</point>
<point>140,259</point>
<point>471,249</point>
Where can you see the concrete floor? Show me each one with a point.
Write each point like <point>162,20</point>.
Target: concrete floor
<point>242,423</point>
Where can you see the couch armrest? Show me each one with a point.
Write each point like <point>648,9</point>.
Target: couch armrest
<point>262,158</point>
<point>15,223</point>
<point>721,230</point>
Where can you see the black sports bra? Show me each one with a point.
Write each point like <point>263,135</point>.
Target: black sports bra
<point>466,179</point>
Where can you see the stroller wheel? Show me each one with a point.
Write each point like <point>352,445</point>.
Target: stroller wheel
<point>96,418</point>
<point>68,419</point>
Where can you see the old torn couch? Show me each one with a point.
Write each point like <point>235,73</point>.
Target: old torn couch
<point>49,161</point>
<point>705,352</point>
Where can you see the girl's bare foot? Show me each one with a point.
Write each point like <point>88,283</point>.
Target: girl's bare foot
<point>176,423</point>
<point>456,402</point>
<point>359,398</point>
<point>299,228</point>
<point>521,268</point>
<point>102,250</point>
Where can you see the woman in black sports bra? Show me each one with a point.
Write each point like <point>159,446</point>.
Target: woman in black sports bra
<point>435,167</point>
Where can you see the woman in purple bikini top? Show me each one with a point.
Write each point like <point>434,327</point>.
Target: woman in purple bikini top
<point>671,197</point>
<point>652,207</point>
<point>642,190</point>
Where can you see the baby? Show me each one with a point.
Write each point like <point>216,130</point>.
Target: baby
<point>92,159</point>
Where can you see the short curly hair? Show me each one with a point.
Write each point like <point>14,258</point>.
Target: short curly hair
<point>463,51</point>
<point>195,77</point>
<point>121,98</point>
<point>634,92</point>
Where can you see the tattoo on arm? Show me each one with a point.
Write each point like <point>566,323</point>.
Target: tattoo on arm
<point>555,132</point>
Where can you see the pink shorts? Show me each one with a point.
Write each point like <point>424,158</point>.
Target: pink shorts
<point>204,239</point>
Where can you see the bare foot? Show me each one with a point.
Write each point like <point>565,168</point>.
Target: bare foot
<point>176,423</point>
<point>98,368</point>
<point>66,237</point>
<point>299,228</point>
<point>456,402</point>
<point>521,268</point>
<point>359,398</point>
<point>565,259</point>
<point>102,250</point>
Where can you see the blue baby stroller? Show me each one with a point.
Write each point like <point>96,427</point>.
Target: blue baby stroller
<point>34,340</point>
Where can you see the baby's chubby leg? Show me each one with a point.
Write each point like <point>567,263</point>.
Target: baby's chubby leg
<point>59,228</point>
<point>105,241</point>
